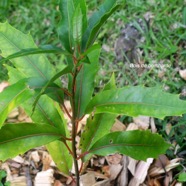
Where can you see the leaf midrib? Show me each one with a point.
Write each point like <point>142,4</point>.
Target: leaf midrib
<point>30,136</point>
<point>28,59</point>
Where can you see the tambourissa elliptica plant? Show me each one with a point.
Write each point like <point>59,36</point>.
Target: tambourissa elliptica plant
<point>35,85</point>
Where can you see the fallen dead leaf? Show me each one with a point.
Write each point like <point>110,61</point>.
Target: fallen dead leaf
<point>142,121</point>
<point>141,172</point>
<point>87,179</point>
<point>118,126</point>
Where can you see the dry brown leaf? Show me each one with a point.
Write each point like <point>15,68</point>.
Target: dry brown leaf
<point>19,159</point>
<point>118,126</point>
<point>106,170</point>
<point>114,171</point>
<point>141,172</point>
<point>123,177</point>
<point>45,178</point>
<point>22,115</point>
<point>152,125</point>
<point>132,126</point>
<point>13,114</point>
<point>102,183</point>
<point>183,74</point>
<point>114,159</point>
<point>19,181</point>
<point>58,183</point>
<point>155,171</point>
<point>35,156</point>
<point>47,160</point>
<point>142,121</point>
<point>87,179</point>
<point>132,165</point>
<point>162,161</point>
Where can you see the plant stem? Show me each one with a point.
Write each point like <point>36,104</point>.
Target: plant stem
<point>74,122</point>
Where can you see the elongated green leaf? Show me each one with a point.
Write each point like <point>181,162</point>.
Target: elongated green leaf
<point>32,51</point>
<point>139,145</point>
<point>96,128</point>
<point>46,112</point>
<point>13,96</point>
<point>65,26</point>
<point>97,20</point>
<point>134,101</point>
<point>98,125</point>
<point>61,156</point>
<point>56,92</point>
<point>77,25</point>
<point>18,138</point>
<point>85,82</point>
<point>83,6</point>
<point>111,84</point>
<point>13,41</point>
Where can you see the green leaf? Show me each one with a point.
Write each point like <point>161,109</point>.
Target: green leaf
<point>134,101</point>
<point>32,51</point>
<point>111,84</point>
<point>56,92</point>
<point>182,177</point>
<point>2,174</point>
<point>83,6</point>
<point>184,15</point>
<point>65,26</point>
<point>96,128</point>
<point>97,20</point>
<point>12,41</point>
<point>61,156</point>
<point>98,125</point>
<point>12,97</point>
<point>137,144</point>
<point>77,25</point>
<point>85,82</point>
<point>14,140</point>
<point>46,112</point>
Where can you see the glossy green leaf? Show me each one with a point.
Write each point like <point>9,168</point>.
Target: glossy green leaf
<point>97,125</point>
<point>182,177</point>
<point>97,20</point>
<point>46,112</point>
<point>111,84</point>
<point>77,25</point>
<point>32,51</point>
<point>61,156</point>
<point>14,140</point>
<point>137,144</point>
<point>55,92</point>
<point>65,26</point>
<point>12,97</point>
<point>96,128</point>
<point>12,41</point>
<point>83,6</point>
<point>134,101</point>
<point>85,82</point>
